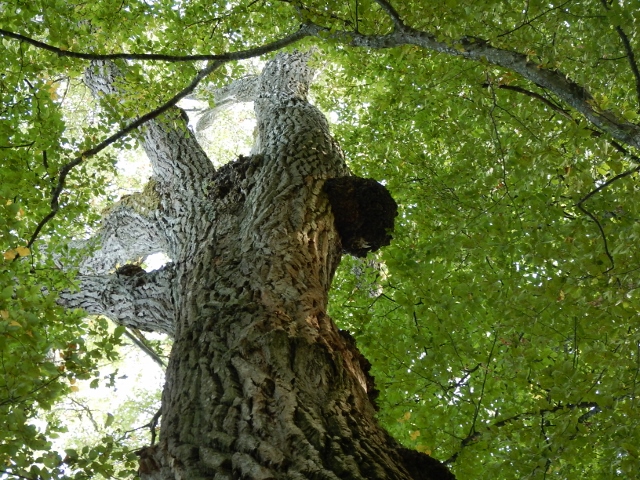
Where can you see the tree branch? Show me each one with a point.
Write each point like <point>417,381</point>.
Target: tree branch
<point>630,56</point>
<point>87,411</point>
<point>141,301</point>
<point>480,50</point>
<point>223,57</point>
<point>129,231</point>
<point>632,60</point>
<point>393,14</point>
<point>599,189</point>
<point>217,61</point>
<point>484,382</point>
<point>134,335</point>
<point>537,96</point>
<point>242,90</point>
<point>607,183</point>
<point>473,436</point>
<point>66,169</point>
<point>182,170</point>
<point>602,234</point>
<point>529,22</point>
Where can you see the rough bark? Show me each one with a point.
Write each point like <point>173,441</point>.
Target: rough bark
<point>261,384</point>
<point>140,300</point>
<point>129,230</point>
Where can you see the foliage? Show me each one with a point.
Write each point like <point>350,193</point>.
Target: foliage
<point>513,338</point>
<point>509,295</point>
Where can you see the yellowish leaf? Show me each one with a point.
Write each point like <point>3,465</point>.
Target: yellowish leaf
<point>424,449</point>
<point>405,417</point>
<point>414,435</point>
<point>13,323</point>
<point>52,87</point>
<point>4,314</point>
<point>14,252</point>
<point>74,388</point>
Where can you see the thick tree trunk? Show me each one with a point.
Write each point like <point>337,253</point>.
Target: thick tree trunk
<point>261,384</point>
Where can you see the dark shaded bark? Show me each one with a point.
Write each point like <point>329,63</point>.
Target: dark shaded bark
<point>261,384</point>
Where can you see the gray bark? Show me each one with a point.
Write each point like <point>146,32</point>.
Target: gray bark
<point>130,230</point>
<point>260,384</point>
<point>141,301</point>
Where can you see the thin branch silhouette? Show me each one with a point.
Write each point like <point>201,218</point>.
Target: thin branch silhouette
<point>304,31</point>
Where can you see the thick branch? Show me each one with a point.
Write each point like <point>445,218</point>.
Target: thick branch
<point>142,300</point>
<point>176,156</point>
<point>241,90</point>
<point>553,81</point>
<point>129,231</point>
<point>66,169</point>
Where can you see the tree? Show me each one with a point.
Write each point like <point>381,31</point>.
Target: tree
<point>510,289</point>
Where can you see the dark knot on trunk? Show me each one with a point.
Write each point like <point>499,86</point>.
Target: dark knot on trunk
<point>364,213</point>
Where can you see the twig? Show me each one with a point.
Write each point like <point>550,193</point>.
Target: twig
<point>153,424</point>
<point>529,22</point>
<point>597,222</point>
<point>602,234</point>
<point>24,145</point>
<point>635,376</point>
<point>88,411</point>
<point>145,348</point>
<point>476,435</point>
<point>630,56</point>
<point>632,61</point>
<point>22,398</point>
<point>543,432</point>
<point>537,96</point>
<point>607,183</point>
<point>393,14</point>
<point>484,382</point>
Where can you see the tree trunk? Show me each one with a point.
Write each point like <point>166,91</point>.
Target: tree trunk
<point>260,384</point>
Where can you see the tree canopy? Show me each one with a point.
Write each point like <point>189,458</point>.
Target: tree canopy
<point>501,322</point>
